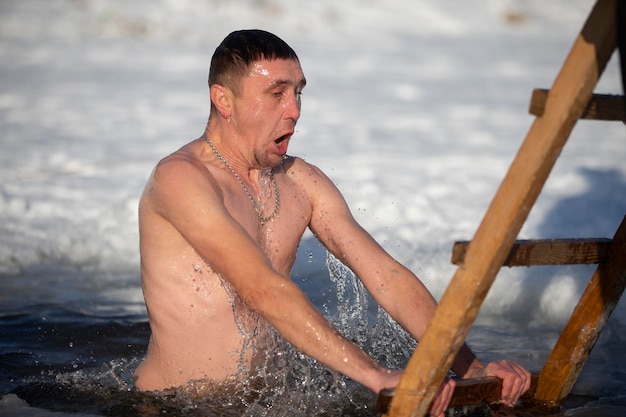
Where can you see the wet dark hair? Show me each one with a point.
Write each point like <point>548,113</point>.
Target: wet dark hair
<point>233,57</point>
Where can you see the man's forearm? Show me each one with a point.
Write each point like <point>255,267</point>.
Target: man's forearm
<point>465,362</point>
<point>300,323</point>
<point>412,306</point>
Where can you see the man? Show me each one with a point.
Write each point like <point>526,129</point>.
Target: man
<point>220,222</point>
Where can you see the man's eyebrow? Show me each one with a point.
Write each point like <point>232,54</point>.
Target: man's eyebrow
<point>279,83</point>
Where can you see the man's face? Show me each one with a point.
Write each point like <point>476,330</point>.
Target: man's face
<point>268,106</point>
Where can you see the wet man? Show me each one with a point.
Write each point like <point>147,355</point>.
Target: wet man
<point>220,222</point>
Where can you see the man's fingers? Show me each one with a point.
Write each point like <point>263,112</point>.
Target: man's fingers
<point>442,399</point>
<point>515,383</point>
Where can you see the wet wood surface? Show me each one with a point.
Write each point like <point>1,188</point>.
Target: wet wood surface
<point>607,107</point>
<point>506,214</point>
<point>547,252</point>
<point>473,391</point>
<point>585,324</point>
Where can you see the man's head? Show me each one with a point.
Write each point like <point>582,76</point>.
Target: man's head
<point>239,50</point>
<point>255,83</point>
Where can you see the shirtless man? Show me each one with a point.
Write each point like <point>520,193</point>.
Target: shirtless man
<point>220,222</point>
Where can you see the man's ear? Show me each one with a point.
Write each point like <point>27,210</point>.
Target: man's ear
<point>221,97</point>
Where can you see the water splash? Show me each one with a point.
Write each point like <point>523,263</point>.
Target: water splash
<point>282,382</point>
<point>352,302</point>
<point>381,337</point>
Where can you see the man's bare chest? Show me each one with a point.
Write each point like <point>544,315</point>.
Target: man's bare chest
<point>277,232</point>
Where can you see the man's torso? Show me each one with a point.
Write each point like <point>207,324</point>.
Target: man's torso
<point>201,329</point>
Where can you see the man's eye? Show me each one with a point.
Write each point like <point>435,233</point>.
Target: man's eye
<point>278,94</point>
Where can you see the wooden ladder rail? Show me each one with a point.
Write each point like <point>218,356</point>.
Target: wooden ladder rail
<point>495,236</point>
<point>581,332</point>
<point>579,335</point>
<point>594,308</point>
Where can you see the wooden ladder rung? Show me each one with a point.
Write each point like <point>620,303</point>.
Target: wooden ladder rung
<point>600,107</point>
<point>582,251</point>
<point>570,96</point>
<point>471,391</point>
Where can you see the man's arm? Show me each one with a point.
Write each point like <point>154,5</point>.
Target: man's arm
<point>393,286</point>
<point>184,193</point>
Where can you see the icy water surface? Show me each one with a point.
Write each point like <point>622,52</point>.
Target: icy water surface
<point>72,348</point>
<point>78,352</point>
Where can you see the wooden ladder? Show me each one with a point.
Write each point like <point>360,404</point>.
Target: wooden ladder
<point>494,243</point>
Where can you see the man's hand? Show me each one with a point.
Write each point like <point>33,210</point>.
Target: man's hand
<point>441,401</point>
<point>515,379</point>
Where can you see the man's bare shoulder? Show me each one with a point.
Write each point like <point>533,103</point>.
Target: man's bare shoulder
<point>313,182</point>
<point>188,163</point>
<point>185,161</point>
<point>302,170</point>
<point>182,173</point>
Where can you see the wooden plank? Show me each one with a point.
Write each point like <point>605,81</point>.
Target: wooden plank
<point>606,107</point>
<point>585,324</point>
<point>506,214</point>
<point>472,391</point>
<point>582,251</point>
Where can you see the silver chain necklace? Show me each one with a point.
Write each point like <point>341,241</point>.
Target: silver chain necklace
<point>262,220</point>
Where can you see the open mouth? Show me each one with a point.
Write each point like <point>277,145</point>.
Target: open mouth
<point>282,143</point>
<point>282,139</point>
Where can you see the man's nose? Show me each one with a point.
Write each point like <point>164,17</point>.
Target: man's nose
<point>292,107</point>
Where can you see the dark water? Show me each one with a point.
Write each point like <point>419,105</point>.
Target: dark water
<point>59,356</point>
<point>71,338</point>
